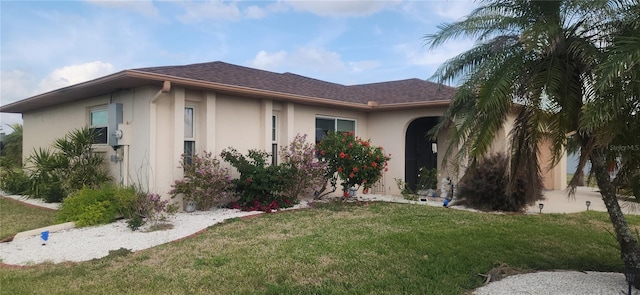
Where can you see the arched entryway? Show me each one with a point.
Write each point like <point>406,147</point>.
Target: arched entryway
<point>418,152</point>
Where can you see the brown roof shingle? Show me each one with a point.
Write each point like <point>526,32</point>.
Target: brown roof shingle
<point>392,92</point>
<point>220,76</point>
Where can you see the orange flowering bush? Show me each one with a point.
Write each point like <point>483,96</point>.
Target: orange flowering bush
<point>352,160</point>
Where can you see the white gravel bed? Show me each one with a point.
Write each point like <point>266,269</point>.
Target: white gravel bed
<point>81,244</point>
<point>35,202</point>
<point>559,283</point>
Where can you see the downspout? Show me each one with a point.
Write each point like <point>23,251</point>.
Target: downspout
<point>166,87</point>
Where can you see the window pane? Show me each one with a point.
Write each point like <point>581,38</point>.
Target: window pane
<point>99,118</point>
<point>323,126</point>
<point>346,125</point>
<point>188,122</point>
<point>100,136</point>
<point>189,151</point>
<point>274,154</point>
<point>273,128</point>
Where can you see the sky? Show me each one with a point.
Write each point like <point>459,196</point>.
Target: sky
<point>46,45</point>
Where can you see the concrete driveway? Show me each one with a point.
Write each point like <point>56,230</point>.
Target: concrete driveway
<point>558,201</point>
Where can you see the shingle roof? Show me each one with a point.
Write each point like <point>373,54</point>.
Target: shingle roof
<point>392,92</point>
<point>220,77</point>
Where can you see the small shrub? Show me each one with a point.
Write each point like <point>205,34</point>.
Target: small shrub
<point>405,190</point>
<point>146,208</point>
<point>154,209</point>
<point>89,207</point>
<point>484,188</point>
<point>14,181</point>
<point>261,186</point>
<point>204,181</point>
<point>427,178</point>
<point>307,172</point>
<point>135,222</point>
<point>126,200</point>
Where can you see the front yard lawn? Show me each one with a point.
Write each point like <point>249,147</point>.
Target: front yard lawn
<point>16,217</point>
<point>374,248</point>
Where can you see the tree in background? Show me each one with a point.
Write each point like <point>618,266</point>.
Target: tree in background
<point>567,68</point>
<point>12,146</point>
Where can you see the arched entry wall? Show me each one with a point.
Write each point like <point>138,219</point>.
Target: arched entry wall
<point>418,149</point>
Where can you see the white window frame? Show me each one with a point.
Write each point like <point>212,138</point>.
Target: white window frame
<point>335,122</point>
<point>96,109</point>
<point>275,133</point>
<point>193,131</point>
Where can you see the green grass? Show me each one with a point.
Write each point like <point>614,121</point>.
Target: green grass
<point>16,217</point>
<point>376,248</point>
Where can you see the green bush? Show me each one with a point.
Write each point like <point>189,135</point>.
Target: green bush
<point>260,186</point>
<point>14,181</point>
<point>484,187</point>
<point>91,206</point>
<point>127,200</point>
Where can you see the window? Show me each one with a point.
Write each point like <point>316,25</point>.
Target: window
<point>326,125</point>
<point>189,135</point>
<point>98,119</point>
<point>274,140</point>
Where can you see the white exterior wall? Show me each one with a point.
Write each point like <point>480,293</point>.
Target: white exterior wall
<point>43,126</point>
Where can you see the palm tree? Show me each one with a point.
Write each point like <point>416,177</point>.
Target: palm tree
<point>545,60</point>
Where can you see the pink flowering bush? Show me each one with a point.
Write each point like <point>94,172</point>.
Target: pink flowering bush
<point>150,208</point>
<point>352,160</point>
<point>307,172</point>
<point>204,182</point>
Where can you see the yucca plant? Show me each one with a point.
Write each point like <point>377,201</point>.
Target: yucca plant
<point>69,167</point>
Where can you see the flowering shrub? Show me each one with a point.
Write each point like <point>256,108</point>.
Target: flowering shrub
<point>307,172</point>
<point>204,181</point>
<point>260,186</point>
<point>352,160</point>
<point>150,208</point>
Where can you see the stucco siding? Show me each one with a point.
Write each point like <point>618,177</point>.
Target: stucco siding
<point>43,126</point>
<point>388,129</point>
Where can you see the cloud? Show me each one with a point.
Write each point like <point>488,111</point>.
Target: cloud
<point>453,10</point>
<point>340,8</point>
<point>303,59</point>
<point>211,10</point>
<point>258,12</point>
<point>417,54</point>
<point>15,85</point>
<point>266,61</point>
<point>361,66</point>
<point>74,74</point>
<point>144,7</point>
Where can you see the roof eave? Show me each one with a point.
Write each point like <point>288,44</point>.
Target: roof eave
<point>23,105</point>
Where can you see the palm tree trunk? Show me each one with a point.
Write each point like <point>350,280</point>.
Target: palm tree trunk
<point>629,247</point>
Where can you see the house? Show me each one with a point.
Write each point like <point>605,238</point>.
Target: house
<point>151,116</point>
